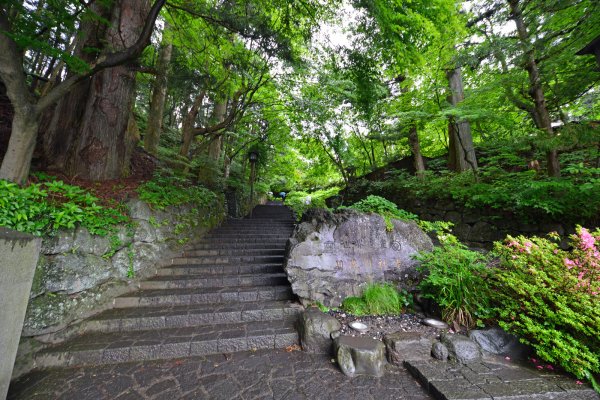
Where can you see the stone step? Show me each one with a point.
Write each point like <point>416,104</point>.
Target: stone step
<point>220,269</point>
<point>225,260</point>
<point>239,245</point>
<point>164,344</point>
<point>145,318</point>
<point>216,281</point>
<point>237,235</point>
<point>235,252</point>
<point>211,243</point>
<point>174,297</point>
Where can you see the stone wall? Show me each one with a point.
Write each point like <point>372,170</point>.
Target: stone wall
<point>79,273</point>
<point>482,227</point>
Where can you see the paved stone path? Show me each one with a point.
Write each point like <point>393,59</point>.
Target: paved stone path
<point>265,374</point>
<point>496,380</point>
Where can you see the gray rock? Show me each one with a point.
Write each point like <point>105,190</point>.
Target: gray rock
<point>332,256</point>
<point>90,244</point>
<point>124,236</point>
<point>461,348</point>
<point>497,341</point>
<point>360,356</point>
<point>439,351</point>
<point>316,329</point>
<point>144,232</point>
<point>403,346</point>
<point>61,242</point>
<point>137,256</point>
<point>72,273</point>
<point>139,210</point>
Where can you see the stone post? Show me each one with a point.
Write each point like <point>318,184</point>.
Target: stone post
<point>19,254</point>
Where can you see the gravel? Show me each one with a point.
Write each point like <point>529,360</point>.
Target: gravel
<point>379,326</point>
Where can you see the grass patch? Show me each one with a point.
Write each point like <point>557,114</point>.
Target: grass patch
<point>378,299</point>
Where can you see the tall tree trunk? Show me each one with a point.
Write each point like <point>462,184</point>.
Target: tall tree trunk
<point>159,94</point>
<point>68,115</point>
<point>214,149</point>
<point>536,91</point>
<point>460,141</point>
<point>101,149</point>
<point>415,147</point>
<point>189,123</point>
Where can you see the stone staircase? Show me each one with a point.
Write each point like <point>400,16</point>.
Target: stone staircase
<point>228,293</point>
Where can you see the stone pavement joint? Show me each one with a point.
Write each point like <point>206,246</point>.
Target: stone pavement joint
<point>495,380</point>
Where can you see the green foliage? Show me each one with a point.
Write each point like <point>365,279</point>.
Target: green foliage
<point>456,280</point>
<point>378,299</point>
<point>44,208</point>
<point>389,211</point>
<point>385,208</point>
<point>167,189</point>
<point>550,298</point>
<point>300,201</point>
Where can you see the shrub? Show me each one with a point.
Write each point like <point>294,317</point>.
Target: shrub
<point>456,280</point>
<point>551,298</point>
<point>378,299</point>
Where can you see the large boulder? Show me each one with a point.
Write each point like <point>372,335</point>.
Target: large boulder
<point>332,255</point>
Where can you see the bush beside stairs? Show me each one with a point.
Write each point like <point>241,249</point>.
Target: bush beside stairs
<point>228,293</point>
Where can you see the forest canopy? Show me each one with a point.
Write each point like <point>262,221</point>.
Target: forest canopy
<point>323,90</point>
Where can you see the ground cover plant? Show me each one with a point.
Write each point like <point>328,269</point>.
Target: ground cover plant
<point>168,189</point>
<point>550,298</point>
<point>45,207</point>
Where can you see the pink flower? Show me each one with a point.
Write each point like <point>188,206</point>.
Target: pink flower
<point>507,358</point>
<point>539,366</point>
<point>550,367</point>
<point>569,263</point>
<point>587,240</point>
<point>579,382</point>
<point>533,360</point>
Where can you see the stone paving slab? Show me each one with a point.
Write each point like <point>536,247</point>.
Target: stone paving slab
<point>274,374</point>
<point>495,380</point>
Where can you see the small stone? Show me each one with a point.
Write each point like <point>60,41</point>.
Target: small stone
<point>360,356</point>
<point>435,323</point>
<point>439,351</point>
<point>358,326</point>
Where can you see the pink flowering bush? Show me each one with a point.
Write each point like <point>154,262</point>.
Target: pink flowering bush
<point>551,298</point>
